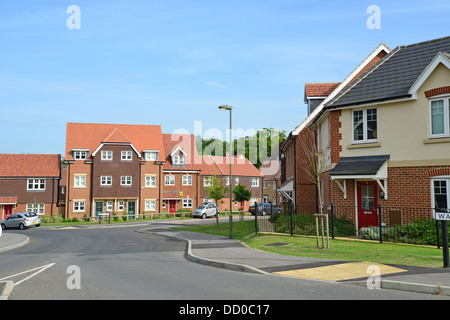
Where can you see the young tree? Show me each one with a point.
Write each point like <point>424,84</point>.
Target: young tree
<point>217,191</point>
<point>241,194</point>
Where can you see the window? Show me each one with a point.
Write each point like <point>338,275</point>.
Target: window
<point>178,160</point>
<point>109,206</point>
<point>125,181</point>
<point>441,192</point>
<point>187,203</point>
<point>236,180</point>
<point>107,155</point>
<point>365,125</point>
<point>121,205</point>
<point>126,155</point>
<point>169,180</point>
<point>151,155</point>
<point>207,181</point>
<point>80,155</point>
<point>38,208</point>
<point>254,182</point>
<point>150,181</point>
<point>150,205</point>
<point>79,206</point>
<point>187,180</point>
<point>227,179</point>
<point>36,184</point>
<point>440,117</point>
<point>79,181</point>
<point>106,180</point>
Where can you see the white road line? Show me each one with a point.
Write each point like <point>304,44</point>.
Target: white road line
<point>42,268</point>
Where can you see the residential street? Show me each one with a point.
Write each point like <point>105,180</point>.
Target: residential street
<point>119,263</point>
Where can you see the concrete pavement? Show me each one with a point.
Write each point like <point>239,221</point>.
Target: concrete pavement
<point>222,252</point>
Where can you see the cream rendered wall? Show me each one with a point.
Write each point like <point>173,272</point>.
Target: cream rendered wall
<point>403,129</point>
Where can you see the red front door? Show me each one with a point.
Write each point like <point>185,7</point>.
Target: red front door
<point>172,206</point>
<point>367,204</point>
<point>7,211</point>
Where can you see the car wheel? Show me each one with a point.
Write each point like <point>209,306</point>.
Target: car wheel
<point>204,216</point>
<point>21,226</point>
<point>3,227</point>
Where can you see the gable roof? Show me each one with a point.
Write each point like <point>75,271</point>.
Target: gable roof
<point>91,135</point>
<point>186,144</point>
<point>241,166</point>
<point>371,59</point>
<point>393,76</point>
<point>30,165</point>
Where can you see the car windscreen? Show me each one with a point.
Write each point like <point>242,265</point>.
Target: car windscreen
<point>201,207</point>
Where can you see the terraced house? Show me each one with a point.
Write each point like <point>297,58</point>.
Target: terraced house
<point>29,182</point>
<point>113,168</point>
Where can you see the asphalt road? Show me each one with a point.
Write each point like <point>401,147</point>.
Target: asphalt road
<point>119,263</point>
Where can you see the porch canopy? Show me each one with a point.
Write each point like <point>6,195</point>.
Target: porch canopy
<point>361,168</point>
<point>8,200</point>
<point>287,189</point>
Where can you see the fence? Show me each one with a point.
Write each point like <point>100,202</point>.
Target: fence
<point>390,224</point>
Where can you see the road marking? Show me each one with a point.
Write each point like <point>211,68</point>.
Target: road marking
<point>42,268</point>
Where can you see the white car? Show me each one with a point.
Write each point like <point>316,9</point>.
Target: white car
<point>21,220</point>
<point>206,210</point>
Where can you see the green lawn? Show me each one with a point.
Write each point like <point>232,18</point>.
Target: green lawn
<point>349,250</point>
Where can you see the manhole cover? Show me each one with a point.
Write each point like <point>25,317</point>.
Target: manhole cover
<point>278,244</point>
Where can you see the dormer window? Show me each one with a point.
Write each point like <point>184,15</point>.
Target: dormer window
<point>151,155</point>
<point>80,154</point>
<point>178,160</point>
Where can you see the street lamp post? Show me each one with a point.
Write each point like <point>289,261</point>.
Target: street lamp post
<point>229,108</point>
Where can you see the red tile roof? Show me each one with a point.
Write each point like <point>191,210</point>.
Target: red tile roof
<point>30,165</point>
<point>8,200</point>
<point>185,142</point>
<point>241,166</point>
<point>320,89</point>
<point>92,135</point>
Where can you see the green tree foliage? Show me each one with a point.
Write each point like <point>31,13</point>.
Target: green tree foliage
<point>217,191</point>
<point>241,193</point>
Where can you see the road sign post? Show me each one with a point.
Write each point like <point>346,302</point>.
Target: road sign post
<point>444,217</point>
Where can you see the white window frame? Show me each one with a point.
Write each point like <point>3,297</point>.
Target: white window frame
<point>446,100</point>
<point>79,206</point>
<point>107,155</point>
<point>236,181</point>
<point>150,181</point>
<point>126,181</point>
<point>38,208</point>
<point>364,123</point>
<point>169,180</point>
<point>126,155</point>
<point>187,180</point>
<point>150,205</point>
<point>187,203</point>
<point>120,205</point>
<point>151,155</point>
<point>80,155</point>
<point>207,181</point>
<point>79,181</point>
<point>254,182</point>
<point>106,181</point>
<point>36,184</point>
<point>447,181</point>
<point>178,160</point>
<point>109,206</point>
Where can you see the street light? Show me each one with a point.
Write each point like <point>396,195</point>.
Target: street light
<point>229,108</point>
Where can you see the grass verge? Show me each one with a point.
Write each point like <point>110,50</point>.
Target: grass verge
<point>349,250</point>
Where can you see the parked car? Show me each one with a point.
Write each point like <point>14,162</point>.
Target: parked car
<point>206,210</point>
<point>21,220</point>
<point>264,208</point>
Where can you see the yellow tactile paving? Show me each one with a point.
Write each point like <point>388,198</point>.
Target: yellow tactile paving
<point>343,271</point>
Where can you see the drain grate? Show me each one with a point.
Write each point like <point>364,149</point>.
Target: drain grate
<point>278,244</point>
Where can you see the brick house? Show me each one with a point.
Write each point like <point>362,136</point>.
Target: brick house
<point>270,169</point>
<point>181,173</point>
<point>243,172</point>
<point>113,168</point>
<point>29,182</point>
<point>297,185</point>
<point>388,134</point>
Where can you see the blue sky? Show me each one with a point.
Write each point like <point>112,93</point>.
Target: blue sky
<point>171,63</point>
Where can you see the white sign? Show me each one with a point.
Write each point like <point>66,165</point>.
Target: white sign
<point>442,216</point>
